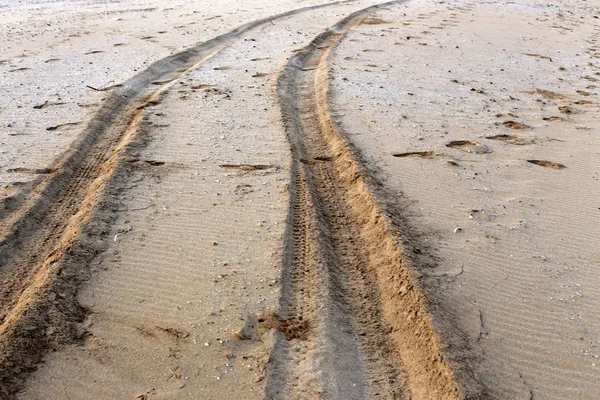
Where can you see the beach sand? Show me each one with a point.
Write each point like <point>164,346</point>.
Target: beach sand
<point>344,201</point>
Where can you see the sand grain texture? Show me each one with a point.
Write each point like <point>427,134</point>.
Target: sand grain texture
<point>344,200</point>
<point>510,229</point>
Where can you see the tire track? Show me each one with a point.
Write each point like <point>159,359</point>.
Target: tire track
<point>49,235</point>
<point>352,320</point>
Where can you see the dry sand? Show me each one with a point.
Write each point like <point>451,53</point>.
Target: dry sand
<point>405,208</point>
<point>462,109</point>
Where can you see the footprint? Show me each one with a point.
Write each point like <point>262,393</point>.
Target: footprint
<point>374,21</point>
<point>548,94</point>
<point>87,105</point>
<point>217,91</point>
<point>468,146</point>
<point>515,125</point>
<point>554,118</point>
<point>40,171</point>
<point>61,127</point>
<point>144,163</point>
<point>422,154</point>
<point>512,139</point>
<point>537,56</point>
<point>47,105</point>
<point>547,164</point>
<point>105,88</point>
<point>561,27</point>
<point>566,109</point>
<point>249,167</point>
<point>503,137</point>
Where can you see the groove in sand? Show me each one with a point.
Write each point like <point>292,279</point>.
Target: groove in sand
<point>48,236</point>
<point>369,333</point>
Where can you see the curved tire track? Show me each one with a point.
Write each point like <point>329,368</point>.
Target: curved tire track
<point>352,319</point>
<point>48,236</point>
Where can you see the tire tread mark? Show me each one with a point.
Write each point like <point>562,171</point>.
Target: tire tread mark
<point>366,291</point>
<point>42,234</point>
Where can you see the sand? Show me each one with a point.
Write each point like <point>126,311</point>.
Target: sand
<point>402,206</point>
<point>502,184</point>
